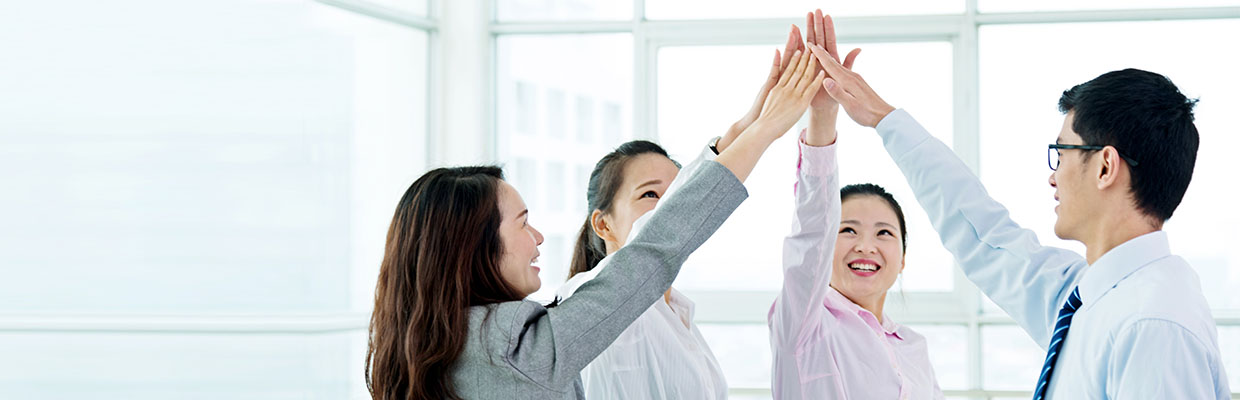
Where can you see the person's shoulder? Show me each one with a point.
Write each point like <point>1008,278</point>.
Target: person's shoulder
<point>1165,294</point>
<point>505,314</point>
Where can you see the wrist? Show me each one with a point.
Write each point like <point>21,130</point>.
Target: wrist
<point>763,131</point>
<point>881,113</point>
<point>821,130</point>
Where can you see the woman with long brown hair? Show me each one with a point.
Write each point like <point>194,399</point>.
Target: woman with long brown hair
<point>450,319</point>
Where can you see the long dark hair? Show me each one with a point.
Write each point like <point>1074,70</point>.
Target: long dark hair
<point>605,180</point>
<point>442,256</point>
<point>870,189</point>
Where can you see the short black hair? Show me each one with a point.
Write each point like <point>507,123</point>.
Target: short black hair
<point>870,189</point>
<point>1145,117</point>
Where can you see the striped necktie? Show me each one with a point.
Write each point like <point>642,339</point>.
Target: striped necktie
<point>1057,338</point>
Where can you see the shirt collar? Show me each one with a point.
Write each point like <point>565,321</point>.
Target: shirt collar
<point>681,305</point>
<point>1121,261</point>
<point>836,300</point>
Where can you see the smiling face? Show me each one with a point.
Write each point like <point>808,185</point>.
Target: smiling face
<point>646,179</point>
<point>521,242</point>
<point>869,253</point>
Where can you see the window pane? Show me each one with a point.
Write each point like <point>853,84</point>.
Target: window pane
<point>721,9</point>
<point>551,10</point>
<point>1012,358</point>
<point>743,352</point>
<point>164,366</point>
<point>564,101</point>
<point>1019,117</point>
<point>949,349</point>
<point>200,169</point>
<point>998,6</point>
<point>703,90</point>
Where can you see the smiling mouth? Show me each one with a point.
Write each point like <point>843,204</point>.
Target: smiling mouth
<point>864,267</point>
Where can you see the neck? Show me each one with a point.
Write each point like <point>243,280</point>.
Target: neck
<point>876,307</point>
<point>1114,229</point>
<point>874,304</point>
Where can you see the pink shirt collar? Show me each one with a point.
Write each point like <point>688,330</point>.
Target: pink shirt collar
<point>835,300</point>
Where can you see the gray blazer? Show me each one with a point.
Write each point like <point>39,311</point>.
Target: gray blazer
<point>522,350</point>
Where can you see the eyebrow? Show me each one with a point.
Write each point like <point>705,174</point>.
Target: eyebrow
<point>856,222</point>
<point>523,213</point>
<point>652,182</point>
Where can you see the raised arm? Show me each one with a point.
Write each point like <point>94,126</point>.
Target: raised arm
<point>1026,279</point>
<point>554,345</point>
<point>808,250</point>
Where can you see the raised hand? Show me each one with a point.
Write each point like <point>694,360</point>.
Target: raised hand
<point>790,96</point>
<point>820,30</point>
<point>784,105</point>
<point>777,67</point>
<point>848,88</point>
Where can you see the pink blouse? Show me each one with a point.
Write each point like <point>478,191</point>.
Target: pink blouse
<point>824,346</point>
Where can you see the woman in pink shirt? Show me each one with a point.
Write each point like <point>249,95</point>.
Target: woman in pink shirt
<point>829,337</point>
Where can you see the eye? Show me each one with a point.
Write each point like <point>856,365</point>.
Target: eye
<point>848,230</point>
<point>886,232</point>
<point>650,194</point>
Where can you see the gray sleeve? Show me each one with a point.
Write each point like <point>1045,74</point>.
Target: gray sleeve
<point>552,345</point>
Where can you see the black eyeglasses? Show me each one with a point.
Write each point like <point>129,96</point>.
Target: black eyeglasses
<point>1052,153</point>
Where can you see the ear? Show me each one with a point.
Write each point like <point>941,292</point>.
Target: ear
<point>902,263</point>
<point>1108,171</point>
<point>601,227</point>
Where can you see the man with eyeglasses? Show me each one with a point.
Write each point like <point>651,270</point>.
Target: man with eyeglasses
<point>1127,320</point>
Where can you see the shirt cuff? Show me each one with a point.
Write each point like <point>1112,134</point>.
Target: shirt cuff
<point>816,160</point>
<point>708,151</point>
<point>900,132</point>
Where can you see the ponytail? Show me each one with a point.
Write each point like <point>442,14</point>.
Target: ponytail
<point>588,251</point>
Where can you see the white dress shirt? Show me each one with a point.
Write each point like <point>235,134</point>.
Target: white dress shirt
<point>662,355</point>
<point>1144,330</point>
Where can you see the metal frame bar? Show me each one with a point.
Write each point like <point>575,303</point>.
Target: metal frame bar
<point>388,14</point>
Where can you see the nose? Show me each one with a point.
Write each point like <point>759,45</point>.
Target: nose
<point>865,246</point>
<point>538,237</point>
<point>1051,180</point>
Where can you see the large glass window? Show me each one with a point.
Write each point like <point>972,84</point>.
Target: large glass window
<point>563,102</point>
<point>169,164</point>
<point>1019,117</point>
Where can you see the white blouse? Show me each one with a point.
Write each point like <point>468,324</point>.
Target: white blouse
<point>662,355</point>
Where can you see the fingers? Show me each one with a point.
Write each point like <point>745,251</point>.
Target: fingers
<point>790,71</point>
<point>833,88</point>
<point>834,69</point>
<point>807,74</point>
<point>829,29</point>
<point>819,29</point>
<point>810,31</point>
<point>802,72</point>
<point>824,58</point>
<point>812,88</point>
<point>852,56</point>
<point>794,44</point>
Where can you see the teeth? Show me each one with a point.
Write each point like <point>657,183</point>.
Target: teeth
<point>863,267</point>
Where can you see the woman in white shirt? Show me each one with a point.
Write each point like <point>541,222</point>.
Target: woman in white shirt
<point>661,355</point>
